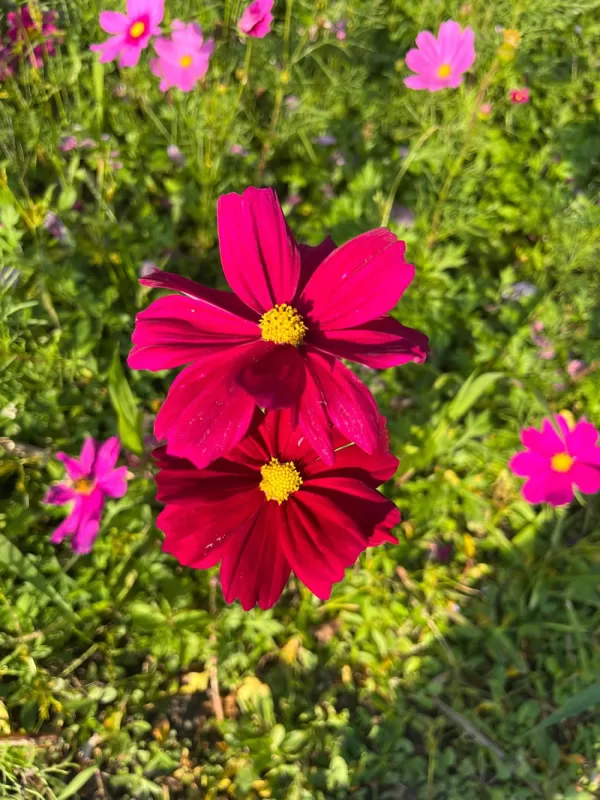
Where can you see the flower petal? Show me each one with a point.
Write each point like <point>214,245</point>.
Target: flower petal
<point>311,257</point>
<point>559,488</point>
<point>72,465</point>
<point>312,416</point>
<point>67,526</point>
<point>284,438</point>
<point>545,442</point>
<point>88,455</point>
<point>582,439</point>
<point>528,463</point>
<point>130,54</point>
<point>255,568</point>
<point>379,344</point>
<point>113,21</point>
<point>59,494</point>
<point>427,42</point>
<point>586,477</point>
<point>464,57</point>
<point>115,483</point>
<point>177,330</point>
<point>206,412</point>
<point>275,377</point>
<point>259,255</point>
<point>106,457</point>
<point>109,49</point>
<point>89,522</point>
<point>360,281</point>
<point>348,402</point>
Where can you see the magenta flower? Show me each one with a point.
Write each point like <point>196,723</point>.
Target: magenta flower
<point>91,480</point>
<point>35,31</point>
<point>554,464</point>
<point>440,63</point>
<point>278,340</point>
<point>519,96</point>
<point>182,59</point>
<point>257,18</point>
<point>132,30</point>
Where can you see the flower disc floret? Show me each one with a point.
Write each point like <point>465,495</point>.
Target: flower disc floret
<point>562,462</point>
<point>279,480</point>
<point>282,324</point>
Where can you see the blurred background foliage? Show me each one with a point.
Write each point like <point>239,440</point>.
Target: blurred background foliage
<point>462,663</point>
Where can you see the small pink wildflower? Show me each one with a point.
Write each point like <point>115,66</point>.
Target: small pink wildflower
<point>132,30</point>
<point>32,34</point>
<point>183,59</point>
<point>256,19</point>
<point>440,63</point>
<point>519,96</point>
<point>67,143</point>
<point>92,478</point>
<point>575,367</point>
<point>554,464</point>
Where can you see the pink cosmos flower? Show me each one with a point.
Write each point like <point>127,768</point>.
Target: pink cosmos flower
<point>278,339</point>
<point>257,18</point>
<point>273,506</point>
<point>440,63</point>
<point>519,96</point>
<point>91,480</point>
<point>182,59</point>
<point>132,30</point>
<point>554,464</point>
<point>36,31</point>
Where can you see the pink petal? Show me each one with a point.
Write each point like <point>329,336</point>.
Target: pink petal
<point>198,536</point>
<point>255,568</point>
<point>72,465</point>
<point>259,255</point>
<point>115,483</point>
<point>311,257</point>
<point>109,49</point>
<point>380,344</point>
<point>528,463</point>
<point>422,82</point>
<point>418,61</point>
<point>59,494</point>
<point>546,443</point>
<point>349,404</point>
<point>130,55</point>
<point>177,330</point>
<point>168,50</point>
<point>113,22</point>
<point>360,281</point>
<point>89,522</point>
<point>88,455</point>
<point>276,376</point>
<point>534,490</point>
<point>427,42</point>
<point>216,298</point>
<point>206,412</point>
<point>559,488</point>
<point>107,456</point>
<point>585,477</point>
<point>67,526</point>
<point>464,57</point>
<point>449,40</point>
<point>582,439</point>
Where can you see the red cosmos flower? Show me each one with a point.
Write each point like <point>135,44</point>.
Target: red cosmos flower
<point>273,506</point>
<point>276,342</point>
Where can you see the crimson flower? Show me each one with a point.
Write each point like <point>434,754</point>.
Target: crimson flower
<point>277,340</point>
<point>273,506</point>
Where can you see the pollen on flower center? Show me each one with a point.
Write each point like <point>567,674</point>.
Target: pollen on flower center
<point>562,462</point>
<point>282,324</point>
<point>185,61</point>
<point>279,480</point>
<point>137,29</point>
<point>444,71</point>
<point>83,486</point>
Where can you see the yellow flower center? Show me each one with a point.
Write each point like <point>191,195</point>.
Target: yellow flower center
<point>444,71</point>
<point>282,324</point>
<point>84,486</point>
<point>512,37</point>
<point>562,462</point>
<point>137,29</point>
<point>185,61</point>
<point>279,480</point>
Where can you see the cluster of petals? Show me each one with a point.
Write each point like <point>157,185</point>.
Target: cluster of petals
<point>519,96</point>
<point>91,479</point>
<point>31,35</point>
<point>555,461</point>
<point>183,59</point>
<point>276,341</point>
<point>272,506</point>
<point>132,31</point>
<point>257,19</point>
<point>440,63</point>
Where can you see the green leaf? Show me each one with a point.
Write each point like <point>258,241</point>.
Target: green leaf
<point>78,782</point>
<point>146,617</point>
<point>12,557</point>
<point>98,81</point>
<point>124,403</point>
<point>470,392</point>
<point>66,198</point>
<point>580,702</point>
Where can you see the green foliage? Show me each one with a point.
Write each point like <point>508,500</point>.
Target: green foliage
<point>461,663</point>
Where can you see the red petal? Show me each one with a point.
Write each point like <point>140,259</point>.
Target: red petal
<point>348,402</point>
<point>284,438</point>
<point>360,281</point>
<point>380,344</point>
<point>311,257</point>
<point>255,568</point>
<point>177,330</point>
<point>277,376</point>
<point>179,481</point>
<point>258,252</point>
<point>206,412</point>
<point>312,416</point>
